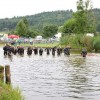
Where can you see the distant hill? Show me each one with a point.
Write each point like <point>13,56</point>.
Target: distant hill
<point>40,20</point>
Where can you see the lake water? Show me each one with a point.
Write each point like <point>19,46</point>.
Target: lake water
<point>55,78</point>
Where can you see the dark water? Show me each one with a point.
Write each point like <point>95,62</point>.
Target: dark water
<point>55,78</point>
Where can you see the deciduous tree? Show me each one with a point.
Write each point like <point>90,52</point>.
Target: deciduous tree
<point>49,31</point>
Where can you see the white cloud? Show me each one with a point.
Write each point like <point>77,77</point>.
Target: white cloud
<point>10,8</point>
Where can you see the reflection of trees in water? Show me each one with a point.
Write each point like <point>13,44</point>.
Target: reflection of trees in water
<point>78,85</point>
<point>77,61</point>
<point>78,77</point>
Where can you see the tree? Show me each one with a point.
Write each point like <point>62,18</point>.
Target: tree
<point>22,28</point>
<point>82,21</point>
<point>49,31</point>
<point>91,21</point>
<point>84,17</point>
<point>80,17</point>
<point>60,28</point>
<point>33,32</point>
<point>69,26</point>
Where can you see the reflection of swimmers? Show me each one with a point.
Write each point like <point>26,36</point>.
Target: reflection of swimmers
<point>84,52</point>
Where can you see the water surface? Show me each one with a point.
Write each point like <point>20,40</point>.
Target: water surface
<point>55,78</point>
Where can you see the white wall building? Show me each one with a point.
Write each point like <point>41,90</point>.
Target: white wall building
<point>39,37</point>
<point>90,34</point>
<point>58,36</point>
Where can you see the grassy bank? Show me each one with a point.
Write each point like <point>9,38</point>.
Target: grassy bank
<point>8,93</point>
<point>37,44</point>
<point>41,44</point>
<point>2,44</point>
<point>80,41</point>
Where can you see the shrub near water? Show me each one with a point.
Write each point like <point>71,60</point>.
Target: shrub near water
<point>87,42</point>
<point>8,93</point>
<point>65,40</point>
<point>78,41</point>
<point>96,43</point>
<point>73,40</point>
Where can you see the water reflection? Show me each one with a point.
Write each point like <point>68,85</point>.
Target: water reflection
<point>49,77</point>
<point>10,58</point>
<point>80,79</point>
<point>77,61</point>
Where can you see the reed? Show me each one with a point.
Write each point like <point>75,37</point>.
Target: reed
<point>7,92</point>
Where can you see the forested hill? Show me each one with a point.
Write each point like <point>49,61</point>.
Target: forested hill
<point>43,19</point>
<point>38,20</point>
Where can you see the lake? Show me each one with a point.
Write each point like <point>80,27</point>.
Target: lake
<point>50,77</point>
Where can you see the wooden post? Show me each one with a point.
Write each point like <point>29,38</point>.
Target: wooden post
<point>1,73</point>
<point>7,74</point>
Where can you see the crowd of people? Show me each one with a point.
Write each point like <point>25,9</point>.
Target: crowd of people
<point>9,50</point>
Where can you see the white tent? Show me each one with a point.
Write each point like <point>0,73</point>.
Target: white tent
<point>39,37</point>
<point>58,35</point>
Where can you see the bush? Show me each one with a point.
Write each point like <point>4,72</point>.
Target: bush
<point>73,40</point>
<point>8,93</point>
<point>87,42</point>
<point>78,41</point>
<point>96,43</point>
<point>64,40</point>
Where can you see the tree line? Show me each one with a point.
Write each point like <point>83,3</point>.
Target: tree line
<point>39,23</point>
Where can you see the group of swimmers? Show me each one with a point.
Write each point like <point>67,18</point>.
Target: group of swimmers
<point>9,50</point>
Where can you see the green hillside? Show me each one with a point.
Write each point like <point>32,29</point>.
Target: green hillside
<point>41,20</point>
<point>38,20</point>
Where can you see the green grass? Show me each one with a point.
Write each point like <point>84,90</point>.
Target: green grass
<point>2,44</point>
<point>8,93</point>
<point>41,44</point>
<point>38,44</point>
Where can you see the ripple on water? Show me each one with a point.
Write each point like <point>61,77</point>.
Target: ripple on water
<point>58,78</point>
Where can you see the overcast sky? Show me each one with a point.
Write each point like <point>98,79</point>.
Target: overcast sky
<point>11,8</point>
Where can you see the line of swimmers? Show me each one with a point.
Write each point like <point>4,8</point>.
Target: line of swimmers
<point>8,50</point>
